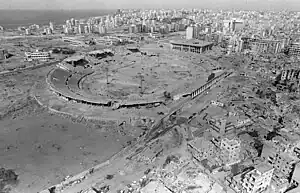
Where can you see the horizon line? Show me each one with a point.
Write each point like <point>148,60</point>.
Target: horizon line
<point>112,9</point>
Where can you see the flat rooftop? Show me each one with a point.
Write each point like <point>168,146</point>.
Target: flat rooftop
<point>263,167</point>
<point>197,43</point>
<point>74,58</point>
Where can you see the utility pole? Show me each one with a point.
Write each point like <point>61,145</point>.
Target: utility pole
<point>141,59</point>
<point>141,82</point>
<point>106,73</point>
<point>107,83</point>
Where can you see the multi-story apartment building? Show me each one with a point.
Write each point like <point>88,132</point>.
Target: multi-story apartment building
<point>265,45</point>
<point>189,33</point>
<point>258,179</point>
<point>294,49</point>
<point>255,180</point>
<point>282,161</point>
<point>220,128</point>
<point>41,56</point>
<point>230,151</point>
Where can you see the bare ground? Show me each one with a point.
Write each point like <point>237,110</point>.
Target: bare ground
<point>43,148</point>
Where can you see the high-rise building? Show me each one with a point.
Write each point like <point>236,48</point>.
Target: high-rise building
<point>189,32</point>
<point>102,30</point>
<point>86,29</point>
<point>72,21</point>
<point>65,29</point>
<point>80,28</point>
<point>51,26</point>
<point>76,22</point>
<point>68,23</point>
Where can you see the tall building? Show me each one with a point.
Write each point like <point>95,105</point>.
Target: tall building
<point>51,26</point>
<point>86,29</point>
<point>68,23</point>
<point>282,162</point>
<point>294,49</point>
<point>77,22</point>
<point>66,29</point>
<point>230,151</point>
<point>102,30</point>
<point>80,29</point>
<point>72,21</point>
<point>258,179</point>
<point>189,32</point>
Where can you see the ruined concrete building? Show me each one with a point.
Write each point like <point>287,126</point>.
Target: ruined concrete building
<point>254,180</point>
<point>230,151</point>
<point>201,148</point>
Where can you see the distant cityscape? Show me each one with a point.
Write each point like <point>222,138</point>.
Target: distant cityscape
<point>238,31</point>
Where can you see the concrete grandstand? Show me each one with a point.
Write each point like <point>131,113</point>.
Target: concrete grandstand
<point>65,81</point>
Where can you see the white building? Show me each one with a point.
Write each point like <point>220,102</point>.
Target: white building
<point>41,56</point>
<point>51,26</point>
<point>27,31</point>
<point>189,32</point>
<point>258,180</point>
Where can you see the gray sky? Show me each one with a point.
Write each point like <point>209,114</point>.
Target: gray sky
<point>114,4</point>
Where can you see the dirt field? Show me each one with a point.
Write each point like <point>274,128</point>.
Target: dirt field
<point>44,148</point>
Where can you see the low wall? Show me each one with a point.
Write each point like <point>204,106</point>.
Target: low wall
<point>9,73</point>
<point>100,103</point>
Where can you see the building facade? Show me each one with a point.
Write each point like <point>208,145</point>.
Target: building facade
<point>230,151</point>
<point>258,179</point>
<point>189,33</point>
<point>191,46</point>
<point>40,56</point>
<point>265,45</point>
<point>294,49</point>
<point>281,161</point>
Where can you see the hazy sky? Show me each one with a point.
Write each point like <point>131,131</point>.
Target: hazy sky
<point>114,4</point>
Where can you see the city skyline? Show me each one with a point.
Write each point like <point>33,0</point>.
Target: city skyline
<point>114,4</point>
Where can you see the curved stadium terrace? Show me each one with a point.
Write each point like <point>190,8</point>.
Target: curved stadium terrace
<point>67,83</point>
<point>127,86</point>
